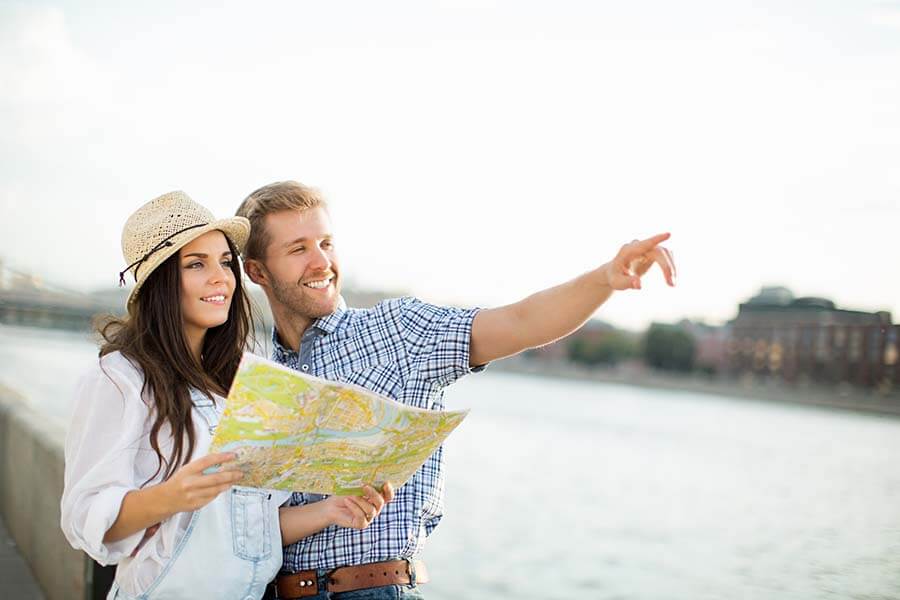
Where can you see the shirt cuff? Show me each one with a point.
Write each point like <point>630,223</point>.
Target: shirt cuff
<point>459,334</point>
<point>280,497</point>
<point>104,510</point>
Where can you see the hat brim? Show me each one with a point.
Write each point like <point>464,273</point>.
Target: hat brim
<point>236,229</point>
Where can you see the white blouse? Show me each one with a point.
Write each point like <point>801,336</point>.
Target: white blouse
<point>108,454</point>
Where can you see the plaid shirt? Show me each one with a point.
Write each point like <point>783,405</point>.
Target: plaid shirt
<point>407,350</point>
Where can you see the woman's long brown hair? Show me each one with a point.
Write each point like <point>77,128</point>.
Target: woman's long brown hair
<point>152,337</point>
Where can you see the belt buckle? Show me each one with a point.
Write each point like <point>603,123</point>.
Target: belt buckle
<point>411,572</point>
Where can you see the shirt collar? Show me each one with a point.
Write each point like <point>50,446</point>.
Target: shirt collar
<point>325,325</point>
<point>329,323</point>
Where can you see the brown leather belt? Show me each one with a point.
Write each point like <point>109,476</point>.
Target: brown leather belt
<point>347,579</point>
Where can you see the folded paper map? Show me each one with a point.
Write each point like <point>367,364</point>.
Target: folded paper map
<point>296,432</point>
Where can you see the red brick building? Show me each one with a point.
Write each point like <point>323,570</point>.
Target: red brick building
<point>810,339</point>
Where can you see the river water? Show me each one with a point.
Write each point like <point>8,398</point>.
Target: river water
<point>564,489</point>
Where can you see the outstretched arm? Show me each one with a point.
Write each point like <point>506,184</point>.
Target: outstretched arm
<point>558,311</point>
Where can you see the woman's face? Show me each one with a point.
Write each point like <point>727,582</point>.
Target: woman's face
<point>207,282</point>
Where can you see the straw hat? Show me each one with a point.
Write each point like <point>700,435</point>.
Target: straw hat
<point>160,228</point>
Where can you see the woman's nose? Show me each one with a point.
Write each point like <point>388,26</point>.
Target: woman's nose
<point>219,273</point>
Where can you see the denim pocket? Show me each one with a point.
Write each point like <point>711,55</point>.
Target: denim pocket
<point>249,524</point>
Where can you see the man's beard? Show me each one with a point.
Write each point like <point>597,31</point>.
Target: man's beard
<point>291,295</point>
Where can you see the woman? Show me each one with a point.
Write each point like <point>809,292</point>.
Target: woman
<point>136,493</point>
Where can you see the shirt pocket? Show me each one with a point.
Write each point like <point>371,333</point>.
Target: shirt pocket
<point>379,377</point>
<point>250,528</point>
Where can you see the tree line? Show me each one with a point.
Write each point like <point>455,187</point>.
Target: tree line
<point>665,347</point>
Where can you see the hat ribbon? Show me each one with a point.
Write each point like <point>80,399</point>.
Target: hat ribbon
<point>163,244</point>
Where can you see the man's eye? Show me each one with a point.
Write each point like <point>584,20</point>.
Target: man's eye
<point>327,244</point>
<point>298,250</point>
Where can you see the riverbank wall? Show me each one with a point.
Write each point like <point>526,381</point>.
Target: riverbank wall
<point>31,484</point>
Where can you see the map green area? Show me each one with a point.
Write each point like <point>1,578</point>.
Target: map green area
<point>297,432</point>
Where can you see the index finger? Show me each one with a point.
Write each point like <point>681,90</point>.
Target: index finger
<point>210,460</point>
<point>650,243</point>
<point>387,491</point>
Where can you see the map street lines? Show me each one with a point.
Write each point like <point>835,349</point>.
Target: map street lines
<point>297,432</point>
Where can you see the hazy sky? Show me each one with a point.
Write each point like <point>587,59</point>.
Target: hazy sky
<point>474,151</point>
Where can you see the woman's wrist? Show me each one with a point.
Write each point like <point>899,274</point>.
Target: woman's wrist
<point>140,510</point>
<point>162,500</point>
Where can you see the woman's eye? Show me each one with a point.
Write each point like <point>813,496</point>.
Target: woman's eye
<point>195,265</point>
<point>226,263</point>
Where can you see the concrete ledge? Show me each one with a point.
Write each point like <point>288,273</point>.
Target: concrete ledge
<point>16,579</point>
<point>31,484</point>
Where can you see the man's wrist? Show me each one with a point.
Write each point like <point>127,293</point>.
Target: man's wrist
<point>326,512</point>
<point>600,277</point>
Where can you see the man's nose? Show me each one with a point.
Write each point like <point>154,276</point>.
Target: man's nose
<point>320,260</point>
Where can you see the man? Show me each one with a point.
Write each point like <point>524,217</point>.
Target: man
<point>402,348</point>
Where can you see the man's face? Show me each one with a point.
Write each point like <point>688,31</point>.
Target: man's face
<point>301,264</point>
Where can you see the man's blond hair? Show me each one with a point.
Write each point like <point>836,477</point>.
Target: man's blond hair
<point>273,198</point>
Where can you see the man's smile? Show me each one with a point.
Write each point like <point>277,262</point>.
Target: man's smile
<point>318,284</point>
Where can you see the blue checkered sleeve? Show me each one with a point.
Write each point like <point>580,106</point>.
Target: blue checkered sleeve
<point>437,340</point>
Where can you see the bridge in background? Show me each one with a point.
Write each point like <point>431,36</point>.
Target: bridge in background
<point>26,299</point>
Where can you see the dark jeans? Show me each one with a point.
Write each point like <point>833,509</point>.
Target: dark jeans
<point>389,592</point>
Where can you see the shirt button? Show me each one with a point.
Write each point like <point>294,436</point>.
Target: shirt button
<point>305,367</point>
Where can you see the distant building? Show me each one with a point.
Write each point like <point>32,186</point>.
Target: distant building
<point>710,343</point>
<point>810,339</point>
